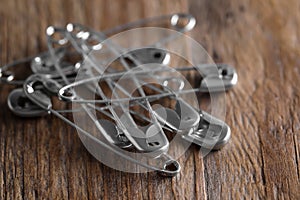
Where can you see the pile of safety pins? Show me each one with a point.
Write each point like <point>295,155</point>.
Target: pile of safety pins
<point>58,73</point>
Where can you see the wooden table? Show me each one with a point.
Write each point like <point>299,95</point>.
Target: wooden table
<point>42,158</point>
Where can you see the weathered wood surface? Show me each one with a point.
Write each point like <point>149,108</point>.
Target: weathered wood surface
<point>42,158</point>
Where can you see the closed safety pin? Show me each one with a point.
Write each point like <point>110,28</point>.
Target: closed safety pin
<point>39,97</point>
<point>39,64</point>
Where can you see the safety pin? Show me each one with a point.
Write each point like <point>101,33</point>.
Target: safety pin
<point>64,92</point>
<point>40,98</point>
<point>173,18</point>
<point>39,64</point>
<point>148,128</point>
<point>130,129</point>
<point>85,33</point>
<point>229,79</point>
<point>208,132</point>
<point>213,81</point>
<point>195,126</point>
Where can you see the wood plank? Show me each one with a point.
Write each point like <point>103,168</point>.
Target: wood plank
<point>258,38</point>
<point>44,158</point>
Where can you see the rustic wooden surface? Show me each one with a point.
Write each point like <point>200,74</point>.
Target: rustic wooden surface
<point>43,158</point>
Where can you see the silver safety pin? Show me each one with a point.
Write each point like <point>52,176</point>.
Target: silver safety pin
<point>66,89</point>
<point>39,97</point>
<point>39,64</point>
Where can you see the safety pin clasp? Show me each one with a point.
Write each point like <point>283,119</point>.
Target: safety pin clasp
<point>148,55</point>
<point>149,139</point>
<point>113,134</point>
<point>38,89</point>
<point>181,120</point>
<point>22,106</point>
<point>211,132</point>
<point>195,126</point>
<point>217,79</point>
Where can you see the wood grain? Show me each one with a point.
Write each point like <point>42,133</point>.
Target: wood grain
<point>44,159</point>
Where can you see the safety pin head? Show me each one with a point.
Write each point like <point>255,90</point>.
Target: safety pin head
<point>149,139</point>
<point>114,135</point>
<point>182,119</point>
<point>183,22</point>
<point>22,106</point>
<point>197,127</point>
<point>149,55</point>
<point>211,133</point>
<point>217,79</point>
<point>38,89</point>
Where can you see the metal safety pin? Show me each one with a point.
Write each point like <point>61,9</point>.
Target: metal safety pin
<point>39,64</point>
<point>174,20</point>
<point>215,77</point>
<point>119,123</point>
<point>64,92</point>
<point>229,79</point>
<point>41,98</point>
<point>109,81</point>
<point>225,74</point>
<point>175,163</point>
<point>136,136</point>
<point>197,127</point>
